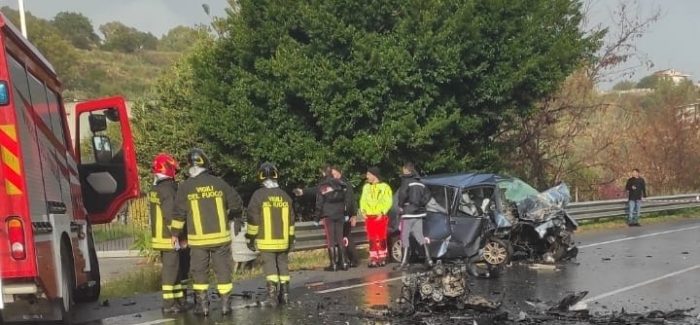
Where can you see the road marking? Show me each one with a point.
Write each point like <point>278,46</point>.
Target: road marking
<point>582,246</point>
<point>159,321</point>
<point>638,237</point>
<point>359,285</point>
<point>640,284</point>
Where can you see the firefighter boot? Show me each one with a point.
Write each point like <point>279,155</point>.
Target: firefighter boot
<point>284,293</point>
<point>225,304</point>
<point>332,257</point>
<point>202,307</point>
<point>272,294</point>
<point>170,307</point>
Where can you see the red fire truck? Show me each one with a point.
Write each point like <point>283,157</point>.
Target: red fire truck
<point>52,188</point>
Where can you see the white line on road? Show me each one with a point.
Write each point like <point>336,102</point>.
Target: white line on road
<point>159,321</point>
<point>638,237</point>
<point>359,285</point>
<point>640,284</point>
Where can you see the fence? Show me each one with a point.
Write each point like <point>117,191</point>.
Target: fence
<point>309,236</point>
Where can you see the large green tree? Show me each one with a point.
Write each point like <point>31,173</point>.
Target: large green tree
<point>77,29</point>
<point>122,38</point>
<point>364,83</point>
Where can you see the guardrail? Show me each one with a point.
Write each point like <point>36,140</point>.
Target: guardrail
<point>310,236</point>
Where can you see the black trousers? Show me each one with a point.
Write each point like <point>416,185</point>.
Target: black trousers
<point>334,232</point>
<point>350,249</point>
<point>221,260</point>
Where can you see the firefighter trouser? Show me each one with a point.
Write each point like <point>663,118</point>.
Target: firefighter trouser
<point>376,235</point>
<point>275,266</point>
<point>170,281</point>
<point>412,227</point>
<point>221,261</point>
<point>334,232</point>
<point>184,274</point>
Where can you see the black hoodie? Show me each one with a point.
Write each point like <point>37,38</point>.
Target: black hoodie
<point>413,196</point>
<point>332,199</point>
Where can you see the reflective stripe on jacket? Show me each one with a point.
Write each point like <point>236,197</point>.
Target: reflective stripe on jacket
<point>376,199</point>
<point>270,219</point>
<point>204,203</point>
<point>161,201</point>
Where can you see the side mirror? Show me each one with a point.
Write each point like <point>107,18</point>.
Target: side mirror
<point>98,123</point>
<point>102,147</point>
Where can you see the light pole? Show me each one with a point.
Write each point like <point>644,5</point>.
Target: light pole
<point>22,21</point>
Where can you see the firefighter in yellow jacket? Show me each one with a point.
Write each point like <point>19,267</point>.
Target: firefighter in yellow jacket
<point>271,231</point>
<point>205,203</point>
<point>161,200</point>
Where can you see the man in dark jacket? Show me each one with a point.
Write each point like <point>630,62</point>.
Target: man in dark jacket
<point>271,231</point>
<point>637,190</point>
<point>331,201</point>
<point>413,197</point>
<point>350,218</point>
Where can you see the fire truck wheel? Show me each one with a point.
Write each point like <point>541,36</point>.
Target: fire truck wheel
<point>90,293</point>
<point>67,283</point>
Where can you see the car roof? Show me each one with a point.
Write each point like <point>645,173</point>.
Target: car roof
<point>462,180</point>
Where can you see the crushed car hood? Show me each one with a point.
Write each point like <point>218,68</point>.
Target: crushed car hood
<point>546,205</point>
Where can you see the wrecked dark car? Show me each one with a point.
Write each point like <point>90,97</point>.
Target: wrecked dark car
<point>494,218</point>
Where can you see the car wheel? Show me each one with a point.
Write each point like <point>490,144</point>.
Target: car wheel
<point>497,252</point>
<point>396,250</point>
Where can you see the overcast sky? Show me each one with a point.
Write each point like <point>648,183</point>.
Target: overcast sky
<point>671,43</point>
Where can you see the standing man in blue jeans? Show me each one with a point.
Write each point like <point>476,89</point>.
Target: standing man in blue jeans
<point>637,190</point>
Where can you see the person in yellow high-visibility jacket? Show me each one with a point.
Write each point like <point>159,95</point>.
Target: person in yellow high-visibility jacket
<point>375,202</point>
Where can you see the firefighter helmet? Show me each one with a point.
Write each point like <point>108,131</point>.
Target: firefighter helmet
<point>267,171</point>
<point>165,164</point>
<point>197,157</point>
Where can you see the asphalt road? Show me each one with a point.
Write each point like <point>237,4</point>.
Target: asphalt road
<point>654,267</point>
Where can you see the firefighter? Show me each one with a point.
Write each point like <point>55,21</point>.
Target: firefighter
<point>205,203</point>
<point>375,202</point>
<point>271,231</point>
<point>161,200</point>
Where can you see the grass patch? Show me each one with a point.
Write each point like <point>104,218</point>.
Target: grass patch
<point>653,218</point>
<point>144,280</point>
<point>113,231</point>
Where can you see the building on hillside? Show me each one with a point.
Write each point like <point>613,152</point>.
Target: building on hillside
<point>673,75</point>
<point>689,114</point>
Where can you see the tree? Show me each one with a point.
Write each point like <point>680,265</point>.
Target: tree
<point>122,38</point>
<point>48,40</point>
<point>77,29</point>
<point>300,83</point>
<point>649,82</point>
<point>180,38</point>
<point>624,85</point>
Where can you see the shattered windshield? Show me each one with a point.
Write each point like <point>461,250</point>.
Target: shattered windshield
<point>516,190</point>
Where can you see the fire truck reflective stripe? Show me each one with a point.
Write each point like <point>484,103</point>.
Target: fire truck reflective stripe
<point>267,222</point>
<point>9,153</point>
<point>197,217</point>
<point>221,212</point>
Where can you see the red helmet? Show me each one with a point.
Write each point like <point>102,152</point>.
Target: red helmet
<point>164,164</point>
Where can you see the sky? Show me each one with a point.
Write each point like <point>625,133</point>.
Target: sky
<point>670,43</point>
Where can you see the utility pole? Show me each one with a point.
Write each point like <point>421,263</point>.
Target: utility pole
<point>22,20</point>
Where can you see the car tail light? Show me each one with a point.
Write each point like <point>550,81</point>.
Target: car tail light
<point>15,233</point>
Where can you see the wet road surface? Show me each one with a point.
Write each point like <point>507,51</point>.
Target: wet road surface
<point>642,269</point>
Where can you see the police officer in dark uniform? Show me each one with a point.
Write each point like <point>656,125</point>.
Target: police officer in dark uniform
<point>205,203</point>
<point>161,201</point>
<point>271,231</point>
